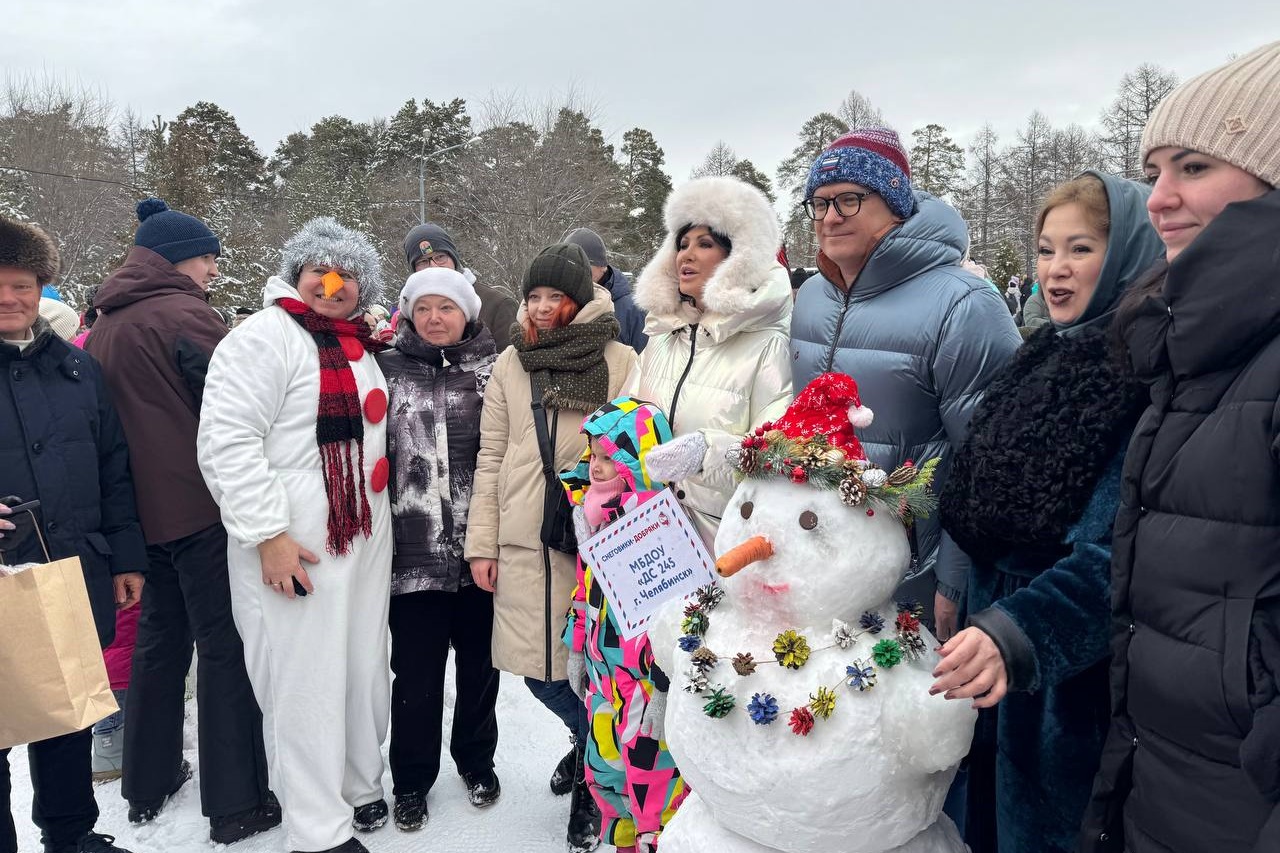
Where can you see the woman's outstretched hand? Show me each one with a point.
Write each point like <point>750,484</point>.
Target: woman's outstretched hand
<point>971,668</point>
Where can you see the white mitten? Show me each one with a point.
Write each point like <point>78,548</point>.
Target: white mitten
<point>677,459</point>
<point>651,725</point>
<point>578,674</point>
<point>581,528</point>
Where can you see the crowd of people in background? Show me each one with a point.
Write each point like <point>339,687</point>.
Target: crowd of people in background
<point>343,476</point>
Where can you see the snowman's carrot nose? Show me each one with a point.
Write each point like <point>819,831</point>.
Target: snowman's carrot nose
<point>736,559</point>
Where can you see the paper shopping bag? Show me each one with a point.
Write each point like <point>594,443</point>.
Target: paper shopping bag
<point>52,677</point>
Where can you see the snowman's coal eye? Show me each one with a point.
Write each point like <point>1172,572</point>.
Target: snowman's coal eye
<point>747,508</point>
<point>808,519</point>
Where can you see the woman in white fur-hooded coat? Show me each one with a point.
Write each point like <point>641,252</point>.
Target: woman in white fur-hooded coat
<point>717,361</point>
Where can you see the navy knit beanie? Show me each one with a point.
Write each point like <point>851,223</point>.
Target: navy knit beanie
<point>873,157</point>
<point>172,235</point>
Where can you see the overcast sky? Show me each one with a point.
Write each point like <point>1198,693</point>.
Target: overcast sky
<point>747,72</point>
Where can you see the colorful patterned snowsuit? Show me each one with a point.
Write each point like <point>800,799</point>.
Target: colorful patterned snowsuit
<point>633,779</point>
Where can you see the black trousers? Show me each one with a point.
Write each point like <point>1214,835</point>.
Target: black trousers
<point>62,804</point>
<point>187,599</point>
<point>423,626</point>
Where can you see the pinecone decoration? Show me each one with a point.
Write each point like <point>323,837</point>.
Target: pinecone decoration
<point>852,491</point>
<point>904,475</point>
<point>719,704</point>
<point>744,664</point>
<point>913,646</point>
<point>748,461</point>
<point>704,659</point>
<point>709,596</point>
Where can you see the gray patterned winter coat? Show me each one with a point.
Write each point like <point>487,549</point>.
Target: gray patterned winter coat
<point>433,437</point>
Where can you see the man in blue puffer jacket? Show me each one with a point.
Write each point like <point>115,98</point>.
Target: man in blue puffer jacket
<point>891,307</point>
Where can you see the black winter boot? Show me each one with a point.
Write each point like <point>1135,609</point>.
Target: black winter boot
<point>584,814</point>
<point>562,776</point>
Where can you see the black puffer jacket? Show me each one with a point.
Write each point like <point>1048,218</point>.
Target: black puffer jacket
<point>433,436</point>
<point>61,444</point>
<point>1192,762</point>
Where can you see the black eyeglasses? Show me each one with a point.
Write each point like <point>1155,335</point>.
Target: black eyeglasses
<point>846,204</point>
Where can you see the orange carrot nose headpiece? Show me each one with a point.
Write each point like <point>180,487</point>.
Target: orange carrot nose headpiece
<point>736,559</point>
<point>332,283</point>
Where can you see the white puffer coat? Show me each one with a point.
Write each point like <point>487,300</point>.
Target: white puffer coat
<point>724,369</point>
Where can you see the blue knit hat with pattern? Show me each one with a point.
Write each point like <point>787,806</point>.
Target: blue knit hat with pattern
<point>873,157</point>
<point>172,235</point>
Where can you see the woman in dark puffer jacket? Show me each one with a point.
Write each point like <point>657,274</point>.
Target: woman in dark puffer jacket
<point>436,377</point>
<point>1192,762</point>
<point>1031,499</point>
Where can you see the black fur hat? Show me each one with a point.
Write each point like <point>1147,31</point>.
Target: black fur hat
<point>29,248</point>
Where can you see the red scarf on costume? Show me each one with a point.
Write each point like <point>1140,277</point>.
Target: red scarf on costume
<point>339,423</point>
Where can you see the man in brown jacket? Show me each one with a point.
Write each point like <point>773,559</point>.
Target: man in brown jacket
<point>154,337</point>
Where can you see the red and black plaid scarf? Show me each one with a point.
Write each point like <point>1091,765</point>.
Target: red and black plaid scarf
<point>339,423</point>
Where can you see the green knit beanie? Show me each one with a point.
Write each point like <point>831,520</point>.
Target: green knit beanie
<point>565,267</point>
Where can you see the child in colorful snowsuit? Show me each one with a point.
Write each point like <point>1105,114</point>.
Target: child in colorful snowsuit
<point>632,776</point>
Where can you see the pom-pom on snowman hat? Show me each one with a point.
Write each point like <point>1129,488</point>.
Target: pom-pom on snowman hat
<point>814,443</point>
<point>828,406</point>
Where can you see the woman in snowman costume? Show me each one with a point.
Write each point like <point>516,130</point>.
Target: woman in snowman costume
<point>799,711</point>
<point>292,446</point>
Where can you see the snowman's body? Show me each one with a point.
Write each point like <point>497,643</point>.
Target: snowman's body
<point>870,778</point>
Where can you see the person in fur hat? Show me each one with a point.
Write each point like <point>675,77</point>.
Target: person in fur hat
<point>64,447</point>
<point>292,446</point>
<point>719,307</point>
<point>1031,499</point>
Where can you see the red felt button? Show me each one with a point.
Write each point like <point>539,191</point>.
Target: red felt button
<point>351,348</point>
<point>375,405</point>
<point>381,473</point>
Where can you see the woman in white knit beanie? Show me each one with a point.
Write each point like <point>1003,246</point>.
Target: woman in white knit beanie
<point>1192,761</point>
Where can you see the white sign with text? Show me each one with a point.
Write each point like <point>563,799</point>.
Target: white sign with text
<point>646,558</point>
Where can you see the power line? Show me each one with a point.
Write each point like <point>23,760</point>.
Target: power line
<point>8,168</point>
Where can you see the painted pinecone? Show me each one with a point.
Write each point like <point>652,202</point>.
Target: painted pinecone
<point>744,664</point>
<point>748,461</point>
<point>704,659</point>
<point>709,596</point>
<point>904,475</point>
<point>913,646</point>
<point>719,704</point>
<point>852,491</point>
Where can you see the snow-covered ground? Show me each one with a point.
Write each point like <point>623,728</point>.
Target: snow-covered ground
<point>528,817</point>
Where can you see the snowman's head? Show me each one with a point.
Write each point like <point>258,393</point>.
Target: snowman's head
<point>829,560</point>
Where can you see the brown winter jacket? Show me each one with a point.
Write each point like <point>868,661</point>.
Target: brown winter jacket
<point>154,335</point>
<point>505,518</point>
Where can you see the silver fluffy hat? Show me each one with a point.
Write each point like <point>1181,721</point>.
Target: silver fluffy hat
<point>324,241</point>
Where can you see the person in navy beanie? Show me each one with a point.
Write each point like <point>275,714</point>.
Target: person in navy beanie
<point>892,306</point>
<point>172,235</point>
<point>154,337</point>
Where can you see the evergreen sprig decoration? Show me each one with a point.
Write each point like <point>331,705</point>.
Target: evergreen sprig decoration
<point>905,492</point>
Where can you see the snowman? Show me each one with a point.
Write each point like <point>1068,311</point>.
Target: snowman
<point>799,710</point>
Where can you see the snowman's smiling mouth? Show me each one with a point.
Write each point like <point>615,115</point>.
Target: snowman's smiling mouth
<point>776,588</point>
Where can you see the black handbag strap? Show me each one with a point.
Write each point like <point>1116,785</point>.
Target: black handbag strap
<point>546,446</point>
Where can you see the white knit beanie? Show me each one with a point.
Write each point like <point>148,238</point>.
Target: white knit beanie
<point>1231,113</point>
<point>61,317</point>
<point>440,281</point>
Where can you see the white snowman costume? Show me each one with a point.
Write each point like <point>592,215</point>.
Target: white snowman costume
<point>872,776</point>
<point>318,664</point>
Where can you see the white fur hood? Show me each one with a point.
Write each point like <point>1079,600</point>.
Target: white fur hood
<point>749,290</point>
